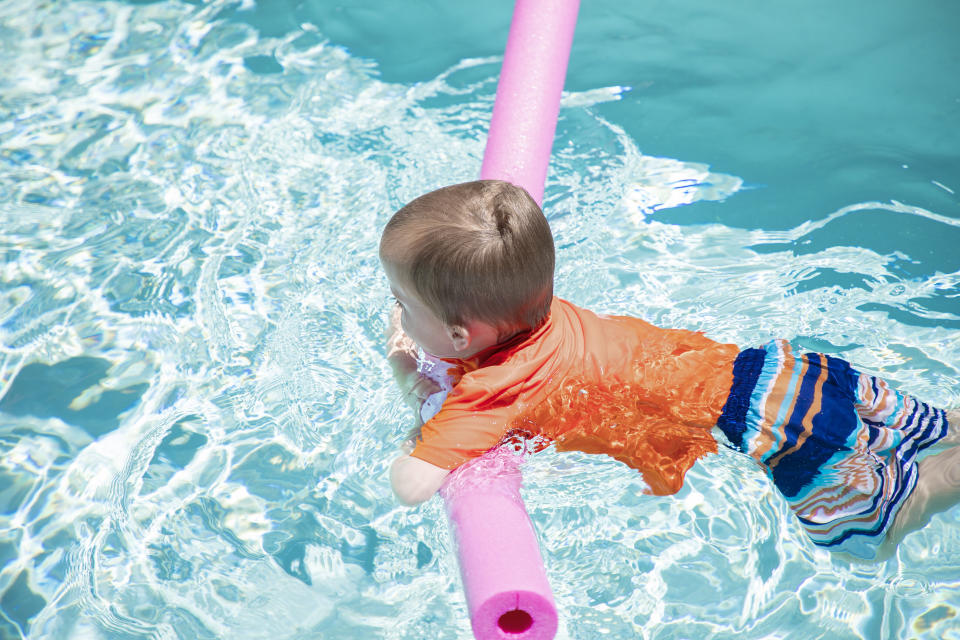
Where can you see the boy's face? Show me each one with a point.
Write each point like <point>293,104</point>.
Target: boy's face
<point>417,320</point>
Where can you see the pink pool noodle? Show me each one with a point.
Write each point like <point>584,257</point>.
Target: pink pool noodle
<point>528,94</point>
<point>504,580</point>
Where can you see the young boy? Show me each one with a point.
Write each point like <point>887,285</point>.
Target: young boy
<point>471,267</point>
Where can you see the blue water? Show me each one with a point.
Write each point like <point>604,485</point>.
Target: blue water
<point>195,415</point>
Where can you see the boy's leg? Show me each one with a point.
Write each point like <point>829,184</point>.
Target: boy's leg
<point>952,438</point>
<point>938,488</point>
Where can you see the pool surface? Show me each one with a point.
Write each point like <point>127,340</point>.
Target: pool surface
<point>196,418</point>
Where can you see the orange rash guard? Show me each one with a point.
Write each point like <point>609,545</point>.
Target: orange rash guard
<point>599,384</point>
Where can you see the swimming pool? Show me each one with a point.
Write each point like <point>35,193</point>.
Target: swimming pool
<point>196,419</point>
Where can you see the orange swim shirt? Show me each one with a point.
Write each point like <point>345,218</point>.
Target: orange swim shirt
<point>585,382</point>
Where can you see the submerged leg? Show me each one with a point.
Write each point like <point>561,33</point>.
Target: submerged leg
<point>938,489</point>
<point>952,438</point>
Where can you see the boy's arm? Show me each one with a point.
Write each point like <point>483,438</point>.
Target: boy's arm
<point>415,480</point>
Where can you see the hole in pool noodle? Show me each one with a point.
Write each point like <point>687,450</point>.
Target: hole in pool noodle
<point>516,621</point>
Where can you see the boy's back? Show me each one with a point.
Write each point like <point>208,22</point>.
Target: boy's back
<point>600,384</point>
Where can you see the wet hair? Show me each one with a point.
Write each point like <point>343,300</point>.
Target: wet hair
<point>475,251</point>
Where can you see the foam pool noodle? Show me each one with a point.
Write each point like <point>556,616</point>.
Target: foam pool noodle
<point>528,94</point>
<point>504,579</point>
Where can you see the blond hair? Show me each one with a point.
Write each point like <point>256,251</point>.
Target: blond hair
<point>475,251</point>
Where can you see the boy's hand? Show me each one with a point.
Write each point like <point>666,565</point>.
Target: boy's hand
<point>422,388</point>
<point>414,386</point>
<point>402,356</point>
<point>410,443</point>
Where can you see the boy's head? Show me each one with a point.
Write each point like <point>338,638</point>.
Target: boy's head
<point>474,252</point>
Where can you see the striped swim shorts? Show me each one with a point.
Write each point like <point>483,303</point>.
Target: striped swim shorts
<point>841,446</point>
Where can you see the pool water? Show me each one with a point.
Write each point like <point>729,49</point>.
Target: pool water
<point>195,415</point>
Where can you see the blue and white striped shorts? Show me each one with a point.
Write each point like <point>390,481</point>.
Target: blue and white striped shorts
<point>841,446</point>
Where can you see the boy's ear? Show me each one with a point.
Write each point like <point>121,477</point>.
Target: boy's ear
<point>459,336</point>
